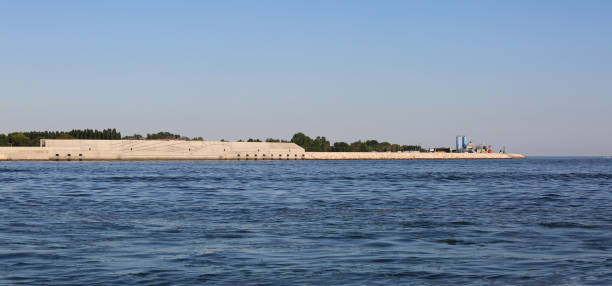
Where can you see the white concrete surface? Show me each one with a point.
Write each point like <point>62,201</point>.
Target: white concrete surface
<point>133,150</point>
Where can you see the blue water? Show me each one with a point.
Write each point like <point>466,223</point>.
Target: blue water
<point>542,221</point>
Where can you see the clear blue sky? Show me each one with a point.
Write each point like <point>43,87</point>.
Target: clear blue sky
<point>535,76</point>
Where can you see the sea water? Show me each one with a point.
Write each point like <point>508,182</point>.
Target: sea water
<point>537,221</point>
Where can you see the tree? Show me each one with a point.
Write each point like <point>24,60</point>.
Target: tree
<point>18,139</point>
<point>163,135</point>
<point>115,134</point>
<point>359,146</point>
<point>372,145</point>
<point>134,137</point>
<point>302,140</point>
<point>4,141</point>
<point>384,147</point>
<point>395,148</point>
<point>341,147</point>
<point>319,144</point>
<point>411,148</point>
<point>64,136</point>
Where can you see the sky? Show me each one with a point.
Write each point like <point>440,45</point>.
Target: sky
<point>533,76</point>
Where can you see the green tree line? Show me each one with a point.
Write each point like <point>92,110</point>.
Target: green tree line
<point>269,140</point>
<point>163,135</point>
<point>32,138</point>
<point>321,144</point>
<point>317,144</point>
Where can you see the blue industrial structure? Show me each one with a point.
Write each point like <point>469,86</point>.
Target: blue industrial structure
<point>461,143</point>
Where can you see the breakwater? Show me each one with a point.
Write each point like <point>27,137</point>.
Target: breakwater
<point>405,156</point>
<point>135,150</point>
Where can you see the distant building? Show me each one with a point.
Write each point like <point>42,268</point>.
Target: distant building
<point>470,147</point>
<point>460,143</point>
<point>481,149</point>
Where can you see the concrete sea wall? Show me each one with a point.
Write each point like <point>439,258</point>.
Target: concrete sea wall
<point>405,156</point>
<point>134,150</point>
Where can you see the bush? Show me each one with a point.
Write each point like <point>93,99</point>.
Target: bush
<point>18,139</point>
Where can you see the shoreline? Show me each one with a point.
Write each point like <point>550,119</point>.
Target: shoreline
<point>162,150</point>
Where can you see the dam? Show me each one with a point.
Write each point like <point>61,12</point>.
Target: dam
<point>137,150</point>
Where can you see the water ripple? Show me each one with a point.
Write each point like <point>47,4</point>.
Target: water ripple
<point>543,221</point>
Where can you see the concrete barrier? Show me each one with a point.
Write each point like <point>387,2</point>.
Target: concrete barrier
<point>135,150</point>
<point>405,156</point>
<point>23,154</point>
